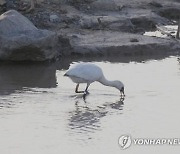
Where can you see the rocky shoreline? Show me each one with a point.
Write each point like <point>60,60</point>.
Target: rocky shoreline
<point>87,27</point>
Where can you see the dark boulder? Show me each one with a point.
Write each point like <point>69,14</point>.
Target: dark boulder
<point>20,40</point>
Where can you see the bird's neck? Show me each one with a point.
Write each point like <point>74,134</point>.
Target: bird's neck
<point>106,82</point>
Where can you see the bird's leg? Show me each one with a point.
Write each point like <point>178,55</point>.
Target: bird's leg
<point>86,90</point>
<point>76,90</point>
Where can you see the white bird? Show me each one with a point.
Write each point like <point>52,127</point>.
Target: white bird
<point>89,73</point>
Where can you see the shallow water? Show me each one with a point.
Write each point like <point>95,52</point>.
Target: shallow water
<point>41,114</point>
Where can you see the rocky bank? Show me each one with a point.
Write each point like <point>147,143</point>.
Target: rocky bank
<point>89,27</point>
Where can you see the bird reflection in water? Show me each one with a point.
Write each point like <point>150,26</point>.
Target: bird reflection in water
<point>87,119</point>
<point>118,105</point>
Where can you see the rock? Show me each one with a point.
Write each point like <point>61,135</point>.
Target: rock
<point>89,22</point>
<point>127,20</point>
<point>147,22</point>
<point>170,12</point>
<point>106,22</point>
<point>54,18</point>
<point>108,43</point>
<point>2,2</point>
<point>134,40</point>
<point>2,6</point>
<point>20,40</point>
<point>155,4</point>
<point>117,23</point>
<point>105,5</point>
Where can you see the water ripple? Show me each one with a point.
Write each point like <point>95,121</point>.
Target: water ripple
<point>84,119</point>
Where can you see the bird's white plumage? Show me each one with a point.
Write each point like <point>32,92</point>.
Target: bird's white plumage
<point>88,73</point>
<point>84,72</point>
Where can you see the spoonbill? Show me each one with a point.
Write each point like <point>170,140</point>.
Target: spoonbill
<point>89,73</point>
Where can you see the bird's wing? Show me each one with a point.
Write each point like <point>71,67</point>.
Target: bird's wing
<point>86,71</point>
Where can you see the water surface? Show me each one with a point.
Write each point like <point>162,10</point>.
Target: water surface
<point>41,114</point>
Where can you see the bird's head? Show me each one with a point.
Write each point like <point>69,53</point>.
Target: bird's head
<point>120,86</point>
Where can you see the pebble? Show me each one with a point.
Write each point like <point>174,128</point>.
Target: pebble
<point>54,18</point>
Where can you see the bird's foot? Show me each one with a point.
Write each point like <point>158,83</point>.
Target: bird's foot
<point>76,91</point>
<point>86,92</point>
